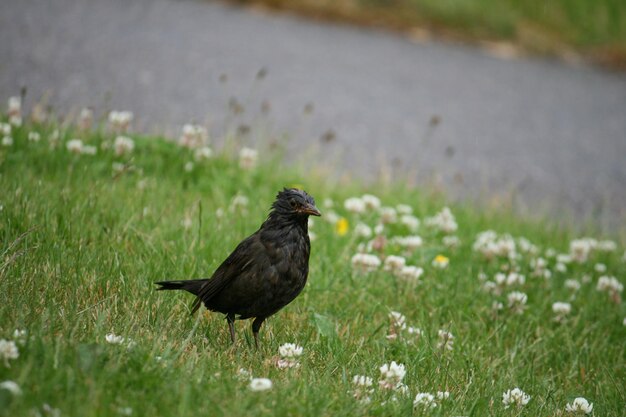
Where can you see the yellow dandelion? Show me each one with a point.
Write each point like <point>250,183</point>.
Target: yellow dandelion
<point>342,226</point>
<point>441,261</point>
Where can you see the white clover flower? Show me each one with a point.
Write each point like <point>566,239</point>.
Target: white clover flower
<point>88,150</point>
<point>203,153</point>
<point>248,158</point>
<point>515,279</point>
<point>409,273</point>
<point>515,397</point>
<point>123,145</point>
<point>193,136</point>
<point>409,242</point>
<point>371,201</point>
<point>75,146</point>
<point>364,262</point>
<point>410,221</point>
<point>7,141</point>
<point>442,395</point>
<point>331,217</point>
<point>561,310</point>
<point>125,411</point>
<point>396,325</point>
<point>606,246</point>
<point>239,202</point>
<point>416,332</point>
<point>446,340</point>
<point>12,387</point>
<point>362,381</point>
<point>394,263</point>
<point>120,120</point>
<point>243,374</point>
<point>363,388</point>
<point>579,406</point>
<point>424,400</point>
<point>451,241</point>
<point>328,203</point>
<point>362,230</point>
<point>527,246</point>
<point>14,105</point>
<point>572,285</point>
<point>564,258</point>
<point>561,267</point>
<point>580,249</point>
<point>114,339</point>
<point>260,384</point>
<point>443,221</point>
<point>5,129</point>
<point>497,306</point>
<point>354,205</point>
<point>34,136</point>
<point>20,335</point>
<point>440,262</point>
<point>517,301</point>
<point>611,286</point>
<point>391,375</point>
<point>188,167</point>
<point>491,287</point>
<point>404,209</point>
<point>85,118</point>
<point>290,350</point>
<point>8,351</point>
<point>599,267</point>
<point>388,215</point>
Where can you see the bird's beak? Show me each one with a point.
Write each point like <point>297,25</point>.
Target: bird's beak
<point>311,210</point>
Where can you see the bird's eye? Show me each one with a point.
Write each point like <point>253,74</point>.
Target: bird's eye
<point>293,203</point>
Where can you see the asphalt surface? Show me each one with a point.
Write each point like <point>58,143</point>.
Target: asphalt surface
<point>540,135</point>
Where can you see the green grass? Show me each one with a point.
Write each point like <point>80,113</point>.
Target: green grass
<point>595,29</point>
<point>81,247</point>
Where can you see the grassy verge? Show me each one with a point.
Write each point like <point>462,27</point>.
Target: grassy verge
<point>83,238</point>
<point>595,30</point>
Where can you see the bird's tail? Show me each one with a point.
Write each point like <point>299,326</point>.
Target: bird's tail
<point>193,286</point>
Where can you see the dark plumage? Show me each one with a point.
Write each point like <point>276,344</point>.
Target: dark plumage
<point>265,272</point>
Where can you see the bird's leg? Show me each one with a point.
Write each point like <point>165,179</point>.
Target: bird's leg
<point>230,318</point>
<point>256,325</point>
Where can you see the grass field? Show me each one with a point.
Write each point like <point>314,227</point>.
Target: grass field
<point>84,236</point>
<point>593,29</point>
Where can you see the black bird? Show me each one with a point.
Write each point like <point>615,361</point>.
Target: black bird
<point>265,272</point>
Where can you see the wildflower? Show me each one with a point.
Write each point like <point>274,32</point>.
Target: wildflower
<point>75,146</point>
<point>290,350</point>
<point>581,248</point>
<point>388,215</point>
<point>365,262</point>
<point>354,205</point>
<point>203,153</point>
<point>331,217</point>
<point>397,324</point>
<point>342,226</point>
<point>379,229</point>
<point>497,306</point>
<point>8,351</point>
<point>53,139</point>
<point>125,411</point>
<point>446,340</point>
<point>572,285</point>
<point>248,158</point>
<point>20,335</point>
<point>239,202</point>
<point>114,339</point>
<point>444,221</point>
<point>579,406</point>
<point>440,262</point>
<point>442,395</point>
<point>34,136</point>
<point>7,141</point>
<point>415,332</point>
<point>5,129</point>
<point>451,241</point>
<point>515,397</point>
<point>526,246</point>
<point>120,120</point>
<point>517,301</point>
<point>88,150</point>
<point>409,273</point>
<point>561,267</point>
<point>424,400</point>
<point>370,201</point>
<point>606,246</point>
<point>611,286</point>
<point>188,167</point>
<point>409,242</point>
<point>404,209</point>
<point>260,384</point>
<point>85,118</point>
<point>391,375</point>
<point>363,388</point>
<point>394,263</point>
<point>243,374</point>
<point>193,136</point>
<point>51,411</point>
<point>362,230</point>
<point>561,310</point>
<point>123,145</point>
<point>15,111</point>
<point>328,203</point>
<point>410,221</point>
<point>601,268</point>
<point>12,387</point>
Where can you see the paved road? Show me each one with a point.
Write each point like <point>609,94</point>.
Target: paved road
<point>550,135</point>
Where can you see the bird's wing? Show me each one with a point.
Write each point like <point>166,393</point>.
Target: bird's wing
<point>240,260</point>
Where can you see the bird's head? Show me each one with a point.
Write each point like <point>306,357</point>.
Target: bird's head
<point>293,202</point>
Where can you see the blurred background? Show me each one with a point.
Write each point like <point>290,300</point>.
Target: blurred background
<point>510,104</point>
